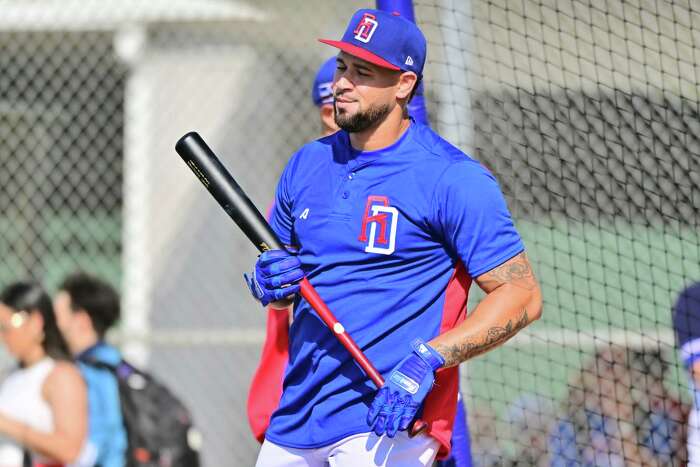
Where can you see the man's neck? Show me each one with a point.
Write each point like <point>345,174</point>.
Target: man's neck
<point>383,135</point>
<point>80,345</point>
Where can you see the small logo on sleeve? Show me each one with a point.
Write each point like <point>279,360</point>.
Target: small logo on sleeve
<point>381,221</point>
<point>304,214</point>
<point>366,27</point>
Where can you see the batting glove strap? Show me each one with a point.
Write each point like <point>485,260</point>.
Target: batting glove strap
<point>398,401</point>
<point>429,355</point>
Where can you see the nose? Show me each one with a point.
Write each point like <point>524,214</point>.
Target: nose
<point>341,83</point>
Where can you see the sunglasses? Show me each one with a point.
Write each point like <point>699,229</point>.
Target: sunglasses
<point>16,320</point>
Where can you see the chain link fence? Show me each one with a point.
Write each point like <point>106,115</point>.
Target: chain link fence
<point>587,112</point>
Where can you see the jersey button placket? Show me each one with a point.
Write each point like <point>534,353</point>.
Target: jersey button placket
<point>346,193</point>
<point>344,208</point>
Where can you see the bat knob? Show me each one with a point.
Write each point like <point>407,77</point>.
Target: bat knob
<point>418,427</point>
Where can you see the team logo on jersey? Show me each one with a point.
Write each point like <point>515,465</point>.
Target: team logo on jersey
<point>381,220</point>
<point>366,27</point>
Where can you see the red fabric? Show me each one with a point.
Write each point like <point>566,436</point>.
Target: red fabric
<point>359,52</point>
<point>266,387</point>
<point>441,404</point>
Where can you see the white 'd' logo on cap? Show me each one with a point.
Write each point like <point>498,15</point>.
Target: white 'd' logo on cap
<point>366,27</point>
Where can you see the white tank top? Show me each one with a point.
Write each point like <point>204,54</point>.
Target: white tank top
<point>21,398</point>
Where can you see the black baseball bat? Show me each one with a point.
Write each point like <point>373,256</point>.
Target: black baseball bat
<point>217,179</point>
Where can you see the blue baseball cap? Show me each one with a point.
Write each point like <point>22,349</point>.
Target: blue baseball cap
<point>321,93</point>
<point>385,39</point>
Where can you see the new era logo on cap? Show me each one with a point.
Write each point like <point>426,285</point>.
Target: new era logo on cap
<point>384,39</point>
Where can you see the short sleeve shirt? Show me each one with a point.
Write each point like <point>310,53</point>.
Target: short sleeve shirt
<point>380,235</point>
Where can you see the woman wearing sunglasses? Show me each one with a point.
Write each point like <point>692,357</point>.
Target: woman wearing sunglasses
<point>43,402</point>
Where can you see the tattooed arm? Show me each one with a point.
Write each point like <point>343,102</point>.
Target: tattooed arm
<point>513,300</point>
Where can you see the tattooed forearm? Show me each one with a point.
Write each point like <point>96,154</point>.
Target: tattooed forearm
<point>516,271</point>
<point>495,336</point>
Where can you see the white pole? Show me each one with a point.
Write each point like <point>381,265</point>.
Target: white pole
<point>130,43</point>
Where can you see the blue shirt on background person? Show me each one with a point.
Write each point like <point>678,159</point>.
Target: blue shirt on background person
<point>106,430</point>
<point>86,307</point>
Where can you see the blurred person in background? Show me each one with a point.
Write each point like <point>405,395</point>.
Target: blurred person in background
<point>486,442</point>
<point>686,324</point>
<point>597,428</point>
<point>86,307</point>
<point>659,415</point>
<point>529,418</point>
<point>322,96</point>
<point>43,402</point>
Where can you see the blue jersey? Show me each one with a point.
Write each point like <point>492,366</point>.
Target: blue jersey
<point>381,236</point>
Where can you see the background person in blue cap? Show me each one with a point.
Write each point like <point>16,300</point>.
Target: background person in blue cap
<point>391,224</point>
<point>686,323</point>
<point>322,95</point>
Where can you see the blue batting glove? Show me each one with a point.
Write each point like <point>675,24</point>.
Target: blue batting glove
<point>396,403</point>
<point>276,275</point>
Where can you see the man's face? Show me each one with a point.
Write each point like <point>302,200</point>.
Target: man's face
<point>364,93</point>
<point>64,313</point>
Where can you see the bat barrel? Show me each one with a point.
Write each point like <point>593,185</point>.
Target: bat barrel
<point>211,172</point>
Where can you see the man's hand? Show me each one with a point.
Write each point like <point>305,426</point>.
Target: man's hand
<point>397,402</point>
<point>276,275</point>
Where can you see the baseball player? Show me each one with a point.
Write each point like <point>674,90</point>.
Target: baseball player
<point>391,224</point>
<point>266,387</point>
<point>686,323</point>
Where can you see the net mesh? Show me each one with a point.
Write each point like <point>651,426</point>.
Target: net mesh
<point>586,111</point>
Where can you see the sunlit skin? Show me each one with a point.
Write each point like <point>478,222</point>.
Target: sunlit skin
<point>360,86</point>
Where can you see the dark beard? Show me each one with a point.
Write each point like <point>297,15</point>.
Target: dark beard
<point>361,121</point>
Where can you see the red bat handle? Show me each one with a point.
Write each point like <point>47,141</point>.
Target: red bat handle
<point>311,296</point>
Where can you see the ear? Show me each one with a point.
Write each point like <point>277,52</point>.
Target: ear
<point>407,81</point>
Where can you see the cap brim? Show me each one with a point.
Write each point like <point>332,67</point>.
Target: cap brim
<point>359,52</point>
